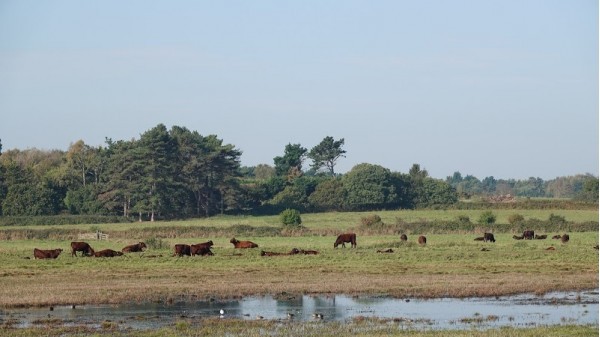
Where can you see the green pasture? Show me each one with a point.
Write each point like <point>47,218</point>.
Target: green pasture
<point>460,251</point>
<point>337,220</point>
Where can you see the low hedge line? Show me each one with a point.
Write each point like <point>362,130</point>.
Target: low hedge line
<point>60,220</point>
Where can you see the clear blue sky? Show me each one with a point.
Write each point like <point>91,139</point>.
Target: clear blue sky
<point>503,88</point>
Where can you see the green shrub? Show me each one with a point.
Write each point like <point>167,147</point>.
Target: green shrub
<point>487,218</point>
<point>463,219</point>
<point>516,218</point>
<point>290,217</point>
<point>556,219</point>
<point>156,243</point>
<point>371,220</point>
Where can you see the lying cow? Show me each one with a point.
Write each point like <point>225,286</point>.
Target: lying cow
<point>263,253</point>
<point>516,237</point>
<point>540,237</point>
<point>138,247</point>
<point>182,249</point>
<point>422,240</point>
<point>557,237</point>
<point>243,244</point>
<point>46,254</point>
<point>403,237</point>
<point>107,253</point>
<point>201,249</point>
<point>564,238</point>
<point>83,247</point>
<point>343,238</point>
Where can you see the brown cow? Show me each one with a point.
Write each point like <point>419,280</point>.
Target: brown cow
<point>138,247</point>
<point>540,237</point>
<point>564,238</point>
<point>201,248</point>
<point>242,244</point>
<point>528,235</point>
<point>182,249</point>
<point>82,247</point>
<point>403,237</point>
<point>46,254</point>
<point>422,240</point>
<point>107,253</point>
<point>343,238</point>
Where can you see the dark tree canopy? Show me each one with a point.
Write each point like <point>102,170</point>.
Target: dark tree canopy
<point>293,156</point>
<point>326,154</point>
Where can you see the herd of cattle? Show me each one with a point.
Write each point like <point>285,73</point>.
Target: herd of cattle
<point>204,248</point>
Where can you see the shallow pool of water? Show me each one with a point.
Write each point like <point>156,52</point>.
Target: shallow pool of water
<point>445,313</point>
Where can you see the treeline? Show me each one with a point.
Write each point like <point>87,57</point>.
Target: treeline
<point>579,187</point>
<point>178,173</point>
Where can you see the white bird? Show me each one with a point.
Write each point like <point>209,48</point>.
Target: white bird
<point>222,312</point>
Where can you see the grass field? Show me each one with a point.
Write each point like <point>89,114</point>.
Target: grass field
<point>449,265</point>
<point>235,328</point>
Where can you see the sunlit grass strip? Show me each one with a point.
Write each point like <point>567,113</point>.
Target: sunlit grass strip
<point>235,328</point>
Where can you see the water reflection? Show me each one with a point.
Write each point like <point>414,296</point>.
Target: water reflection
<point>445,313</point>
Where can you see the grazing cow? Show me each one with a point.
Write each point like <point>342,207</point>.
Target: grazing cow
<point>82,247</point>
<point>242,244</point>
<point>182,249</point>
<point>343,238</point>
<point>403,237</point>
<point>518,237</point>
<point>540,237</point>
<point>481,238</point>
<point>46,254</point>
<point>138,247</point>
<point>107,253</point>
<point>556,237</point>
<point>528,235</point>
<point>201,248</point>
<point>488,237</point>
<point>564,238</point>
<point>422,240</point>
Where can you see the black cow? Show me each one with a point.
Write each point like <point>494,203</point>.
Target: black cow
<point>528,235</point>
<point>488,237</point>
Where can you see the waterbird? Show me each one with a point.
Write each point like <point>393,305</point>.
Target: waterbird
<point>222,312</point>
